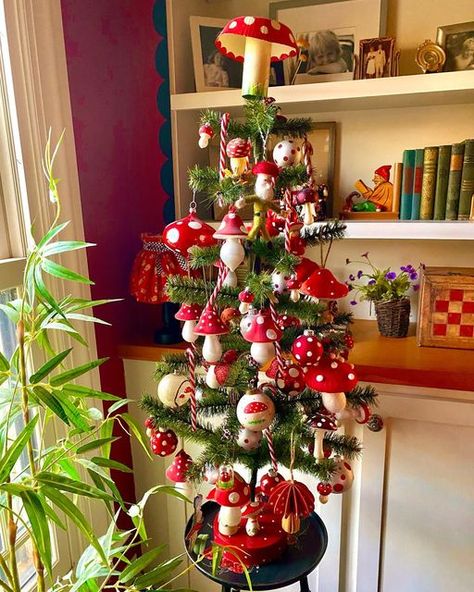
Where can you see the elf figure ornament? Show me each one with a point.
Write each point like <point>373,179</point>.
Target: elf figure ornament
<point>266,173</point>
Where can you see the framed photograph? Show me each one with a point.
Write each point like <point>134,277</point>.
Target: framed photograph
<point>376,57</point>
<point>446,311</point>
<point>328,33</point>
<point>212,70</point>
<point>458,43</point>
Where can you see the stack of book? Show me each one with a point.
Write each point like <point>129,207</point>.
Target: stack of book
<point>438,182</point>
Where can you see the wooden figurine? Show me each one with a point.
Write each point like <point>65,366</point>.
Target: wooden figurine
<point>378,199</point>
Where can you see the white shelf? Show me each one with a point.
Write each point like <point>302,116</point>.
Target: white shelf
<point>414,230</point>
<point>447,88</point>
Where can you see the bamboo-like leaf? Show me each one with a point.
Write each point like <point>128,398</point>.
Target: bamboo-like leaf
<point>116,406</point>
<point>65,484</point>
<point>4,363</point>
<point>12,314</point>
<point>65,247</point>
<point>160,574</point>
<point>51,401</point>
<point>43,291</point>
<point>51,234</point>
<point>78,390</point>
<point>135,428</point>
<point>111,464</point>
<point>69,468</point>
<point>141,563</point>
<point>217,554</point>
<point>94,444</point>
<point>39,527</point>
<point>75,316</point>
<point>49,366</point>
<point>69,375</point>
<point>7,462</point>
<point>64,273</point>
<point>50,513</point>
<point>70,509</point>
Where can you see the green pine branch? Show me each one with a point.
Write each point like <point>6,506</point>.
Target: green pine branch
<point>291,176</point>
<point>362,395</point>
<point>295,127</point>
<point>323,233</point>
<point>203,256</point>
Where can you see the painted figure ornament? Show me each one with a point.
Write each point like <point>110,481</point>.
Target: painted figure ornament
<point>255,410</point>
<point>174,390</point>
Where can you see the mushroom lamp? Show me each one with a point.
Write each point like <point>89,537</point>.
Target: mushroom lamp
<point>238,150</point>
<point>211,326</point>
<point>189,313</point>
<point>231,500</point>
<point>322,284</point>
<point>256,41</point>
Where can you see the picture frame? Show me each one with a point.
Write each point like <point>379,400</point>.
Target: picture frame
<point>332,40</point>
<point>376,58</point>
<point>458,43</point>
<point>446,309</point>
<point>212,70</point>
<point>323,139</point>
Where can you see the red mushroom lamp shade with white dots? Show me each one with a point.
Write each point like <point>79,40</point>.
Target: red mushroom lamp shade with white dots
<point>188,232</point>
<point>322,284</point>
<point>256,41</point>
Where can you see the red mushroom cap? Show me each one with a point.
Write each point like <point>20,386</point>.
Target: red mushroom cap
<point>322,284</point>
<point>265,167</point>
<point>253,509</point>
<point>293,284</point>
<point>231,40</point>
<point>232,226</point>
<point>323,421</point>
<point>331,375</point>
<point>305,195</point>
<point>188,312</point>
<point>285,321</point>
<point>210,323</point>
<point>177,470</point>
<point>206,128</point>
<point>236,496</point>
<point>246,296</point>
<point>292,497</point>
<point>260,328</point>
<point>238,148</point>
<point>188,232</point>
<point>305,268</point>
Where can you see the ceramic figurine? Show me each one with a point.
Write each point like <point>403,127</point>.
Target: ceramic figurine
<point>378,199</point>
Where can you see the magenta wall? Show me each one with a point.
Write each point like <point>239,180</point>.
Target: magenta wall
<point>110,48</point>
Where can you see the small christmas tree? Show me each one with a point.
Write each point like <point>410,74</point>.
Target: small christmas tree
<point>270,382</point>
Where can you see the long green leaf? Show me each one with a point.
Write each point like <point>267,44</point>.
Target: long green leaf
<point>50,513</point>
<point>4,363</point>
<point>65,247</point>
<point>94,444</point>
<point>78,390</point>
<point>49,366</point>
<point>51,401</point>
<point>160,574</point>
<point>135,428</point>
<point>141,563</point>
<point>65,484</point>
<point>111,464</point>
<point>75,416</point>
<point>39,527</point>
<point>59,271</point>
<point>7,462</point>
<point>76,316</point>
<point>51,234</point>
<point>69,375</point>
<point>43,291</point>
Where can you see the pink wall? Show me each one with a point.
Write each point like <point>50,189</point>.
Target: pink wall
<point>110,48</point>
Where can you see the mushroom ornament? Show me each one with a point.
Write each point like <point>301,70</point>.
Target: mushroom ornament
<point>251,512</point>
<point>294,286</point>
<point>189,313</point>
<point>163,442</point>
<point>246,298</point>
<point>255,410</point>
<point>248,439</point>
<point>232,231</point>
<point>286,153</point>
<point>174,390</point>
<point>306,197</point>
<point>211,326</point>
<point>177,472</point>
<point>238,151</point>
<point>188,232</point>
<point>332,378</point>
<point>291,500</point>
<point>343,477</point>
<point>307,348</point>
<point>231,499</point>
<point>322,284</point>
<point>321,423</point>
<point>205,134</point>
<point>258,328</point>
<point>256,42</point>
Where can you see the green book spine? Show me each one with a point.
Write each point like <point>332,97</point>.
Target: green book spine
<point>407,184</point>
<point>444,158</point>
<point>430,163</point>
<point>467,181</point>
<point>454,181</point>
<point>417,182</point>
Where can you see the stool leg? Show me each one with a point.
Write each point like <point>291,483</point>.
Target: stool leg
<point>228,589</point>
<point>304,586</point>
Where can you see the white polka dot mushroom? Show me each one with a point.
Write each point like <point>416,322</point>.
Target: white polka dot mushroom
<point>189,313</point>
<point>256,41</point>
<point>260,330</point>
<point>211,326</point>
<point>205,134</point>
<point>177,472</point>
<point>321,423</point>
<point>190,231</point>
<point>232,231</point>
<point>238,150</point>
<point>231,499</point>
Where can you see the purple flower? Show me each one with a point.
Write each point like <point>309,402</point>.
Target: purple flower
<point>413,276</point>
<point>390,275</point>
<point>360,273</point>
<point>371,282</point>
<point>353,302</point>
<point>352,277</point>
<point>416,287</point>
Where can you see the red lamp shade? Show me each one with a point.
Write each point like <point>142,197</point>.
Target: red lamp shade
<point>322,284</point>
<point>304,269</point>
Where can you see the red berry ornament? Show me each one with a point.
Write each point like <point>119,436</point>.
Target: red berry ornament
<point>307,348</point>
<point>163,442</point>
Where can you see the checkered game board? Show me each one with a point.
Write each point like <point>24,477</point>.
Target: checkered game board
<point>453,314</point>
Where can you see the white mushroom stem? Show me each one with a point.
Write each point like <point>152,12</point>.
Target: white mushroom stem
<point>318,444</point>
<point>212,349</point>
<point>262,352</point>
<point>188,333</point>
<point>230,279</point>
<point>334,402</point>
<point>239,165</point>
<point>229,520</point>
<point>244,307</point>
<point>232,253</point>
<point>211,379</point>
<point>308,216</point>
<point>252,526</point>
<point>256,73</point>
<point>294,295</point>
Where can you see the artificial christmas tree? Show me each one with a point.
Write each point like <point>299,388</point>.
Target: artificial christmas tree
<point>272,370</point>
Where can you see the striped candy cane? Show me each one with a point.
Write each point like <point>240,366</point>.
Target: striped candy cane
<point>191,354</point>
<point>278,352</point>
<point>223,141</point>
<point>223,271</point>
<point>308,152</point>
<point>271,450</point>
<point>288,219</point>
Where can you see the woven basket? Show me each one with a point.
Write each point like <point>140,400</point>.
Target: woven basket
<point>393,317</point>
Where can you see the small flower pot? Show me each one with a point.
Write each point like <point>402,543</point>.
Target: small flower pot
<point>393,317</point>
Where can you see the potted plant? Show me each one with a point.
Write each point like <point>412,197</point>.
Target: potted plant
<point>388,291</point>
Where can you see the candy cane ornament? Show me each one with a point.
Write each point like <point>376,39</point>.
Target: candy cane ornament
<point>222,146</point>
<point>191,354</point>
<point>278,351</point>
<point>271,450</point>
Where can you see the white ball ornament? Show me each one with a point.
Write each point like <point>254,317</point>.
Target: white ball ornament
<point>343,477</point>
<point>174,390</point>
<point>279,280</point>
<point>255,411</point>
<point>286,153</point>
<point>248,439</point>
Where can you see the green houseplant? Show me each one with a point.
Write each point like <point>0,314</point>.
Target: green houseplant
<point>388,291</point>
<point>45,491</point>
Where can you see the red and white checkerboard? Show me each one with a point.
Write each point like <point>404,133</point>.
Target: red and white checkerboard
<point>453,314</point>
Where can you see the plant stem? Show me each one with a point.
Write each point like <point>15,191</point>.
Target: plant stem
<point>12,528</point>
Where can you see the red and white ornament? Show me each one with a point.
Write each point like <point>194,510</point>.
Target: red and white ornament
<point>255,410</point>
<point>286,153</point>
<point>246,298</point>
<point>291,500</point>
<point>248,439</point>
<point>306,197</point>
<point>251,511</point>
<point>343,477</point>
<point>189,313</point>
<point>163,442</point>
<point>307,348</point>
<point>205,134</point>
<point>174,390</point>
<point>332,378</point>
<point>266,173</point>
<point>324,490</point>
<point>294,286</point>
<point>232,231</point>
<point>177,472</point>
<point>188,232</point>
<point>269,481</point>
<point>231,499</point>
<point>238,151</point>
<point>258,328</point>
<point>211,326</point>
<point>292,380</point>
<point>279,282</point>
